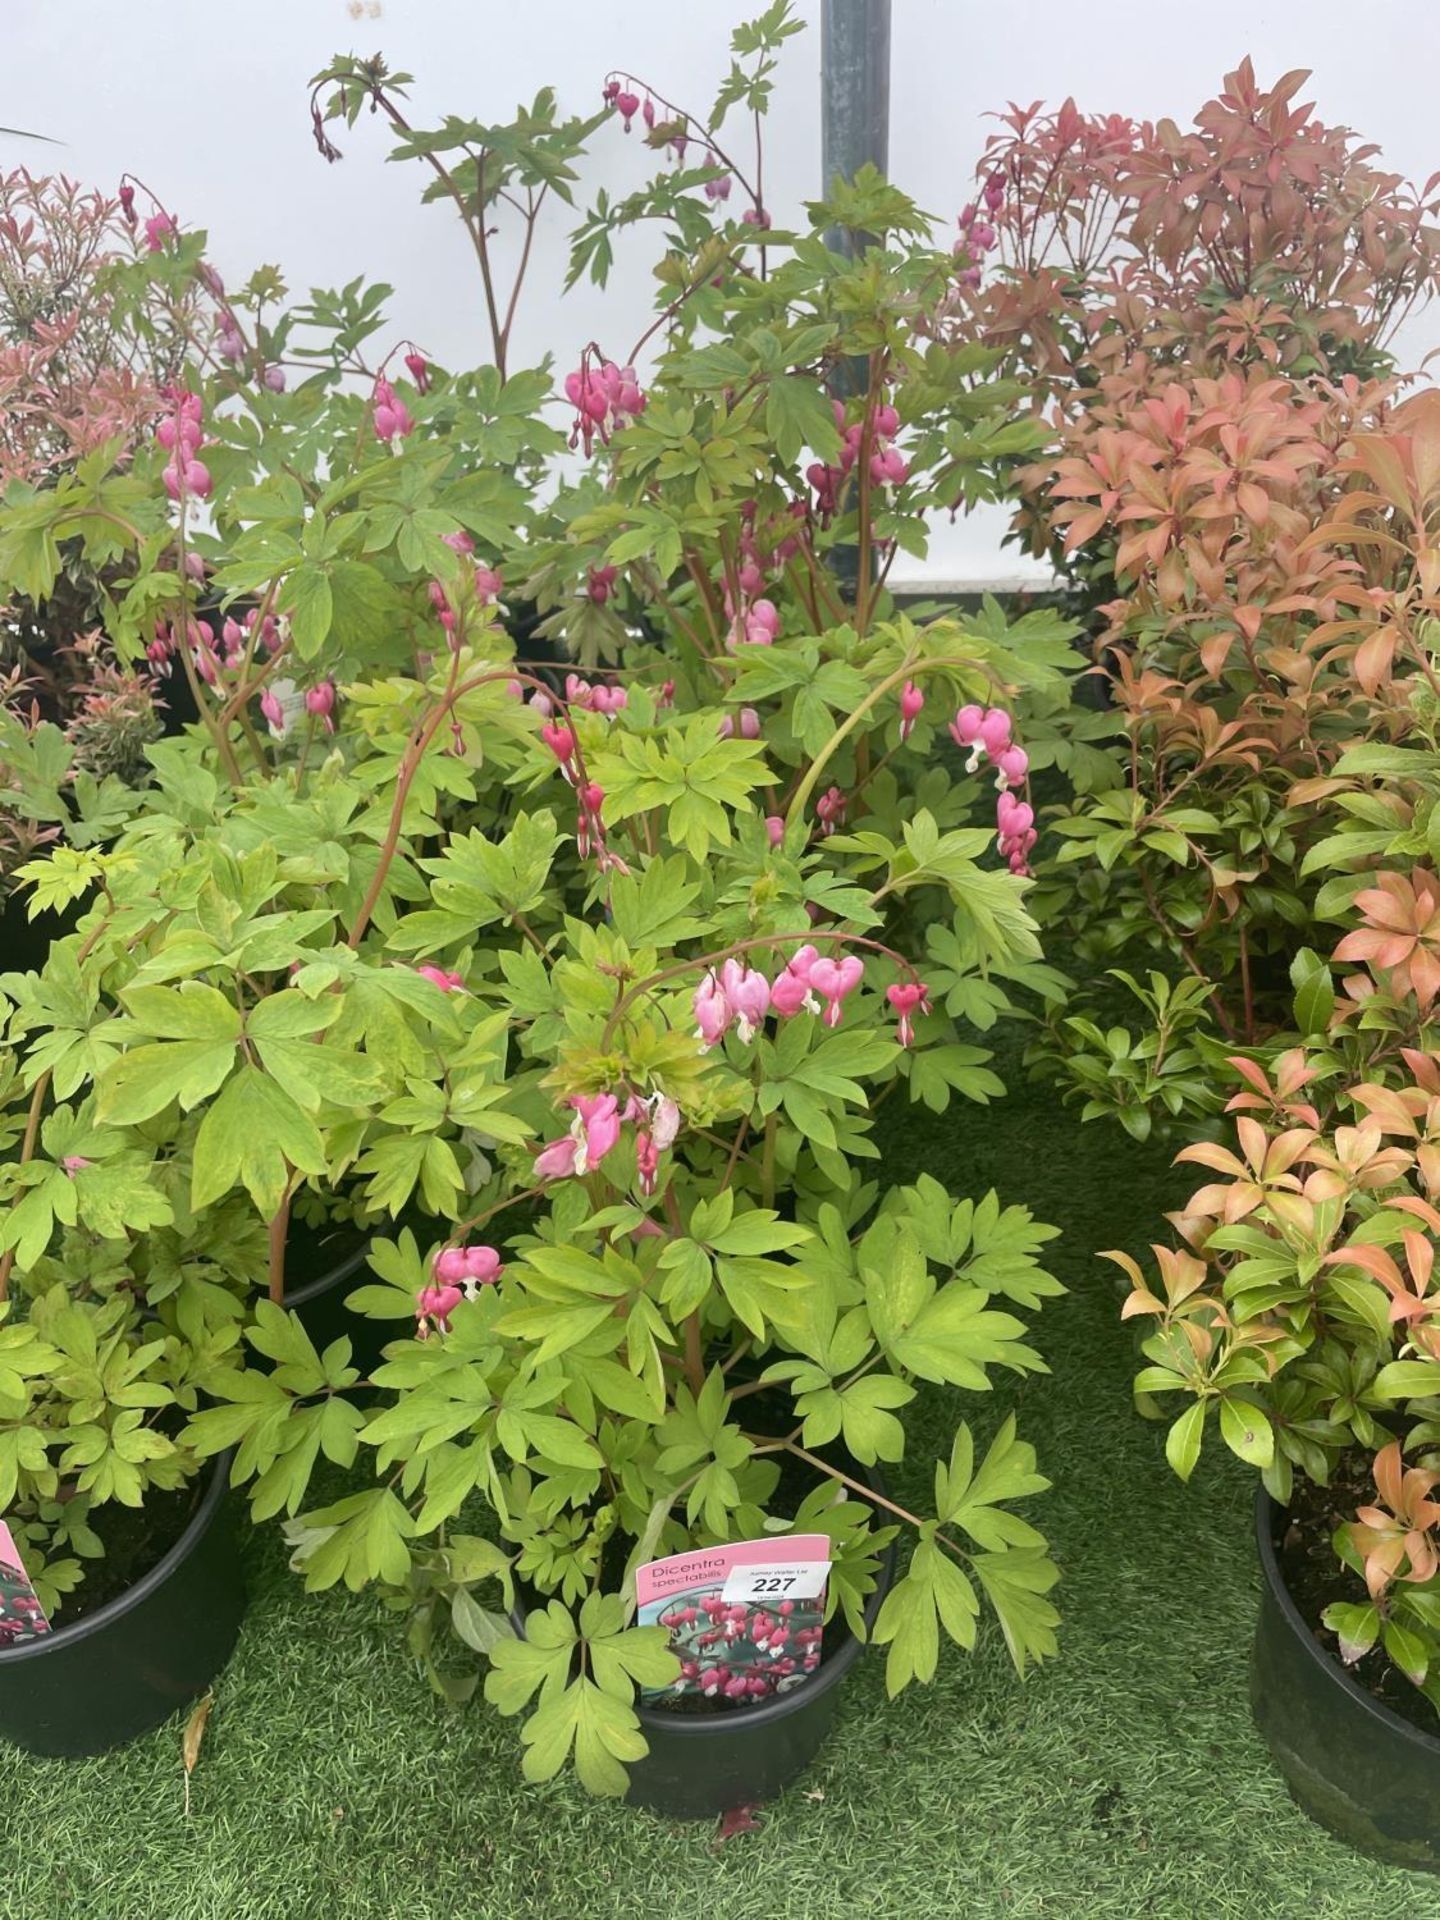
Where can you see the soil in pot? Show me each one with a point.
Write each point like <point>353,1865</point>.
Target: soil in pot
<point>1315,1576</point>
<point>135,1539</point>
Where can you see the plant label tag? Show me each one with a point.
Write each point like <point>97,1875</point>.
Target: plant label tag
<point>745,1620</point>
<point>21,1615</point>
<point>777,1580</point>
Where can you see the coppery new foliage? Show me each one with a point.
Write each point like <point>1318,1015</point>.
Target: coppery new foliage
<point>1303,1312</point>
<point>1233,490</point>
<point>1260,235</point>
<point>77,369</point>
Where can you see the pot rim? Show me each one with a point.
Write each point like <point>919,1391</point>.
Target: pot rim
<point>199,1524</point>
<point>1395,1724</point>
<point>335,1276</point>
<point>781,1705</point>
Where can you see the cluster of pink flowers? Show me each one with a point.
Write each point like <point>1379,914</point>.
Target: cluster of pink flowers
<point>276,705</point>
<point>888,466</point>
<point>604,398</point>
<point>740,996</point>
<point>600,584</point>
<point>754,619</point>
<point>485,583</point>
<point>988,734</point>
<point>606,700</point>
<point>755,625</point>
<point>977,234</point>
<point>746,723</point>
<point>389,414</point>
<point>595,1132</point>
<point>459,1274</point>
<point>182,435</point>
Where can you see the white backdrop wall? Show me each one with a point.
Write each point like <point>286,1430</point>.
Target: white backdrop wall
<point>206,102</point>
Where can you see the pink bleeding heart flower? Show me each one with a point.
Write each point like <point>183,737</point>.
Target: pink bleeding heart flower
<point>443,978</point>
<point>907,998</point>
<point>489,585</point>
<point>595,1129</point>
<point>748,992</point>
<point>557,1160</point>
<point>833,980</point>
<point>418,367</point>
<point>434,1306</point>
<point>627,105</point>
<point>713,1013</point>
<point>647,1162</point>
<point>775,829</point>
<point>158,229</point>
<point>664,1120</point>
<point>912,700</point>
<point>561,742</point>
<point>459,542</point>
<point>790,991</point>
<point>719,188</point>
<point>600,584</point>
<point>273,379</point>
<point>274,712</point>
<point>965,727</point>
<point>126,197</point>
<point>320,701</point>
<point>995,732</point>
<point>830,810</point>
<point>449,1266</point>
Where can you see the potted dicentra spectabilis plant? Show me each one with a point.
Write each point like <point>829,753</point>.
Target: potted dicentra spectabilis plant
<point>688,1316</point>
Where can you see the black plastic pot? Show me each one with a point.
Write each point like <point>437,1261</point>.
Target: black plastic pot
<point>700,1765</point>
<point>320,1303</point>
<point>1359,1769</point>
<point>123,1669</point>
<point>25,943</point>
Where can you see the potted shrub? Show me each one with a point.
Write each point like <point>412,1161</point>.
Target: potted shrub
<point>1204,315</point>
<point>350,954</point>
<point>689,1285</point>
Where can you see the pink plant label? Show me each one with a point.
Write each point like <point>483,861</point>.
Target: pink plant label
<point>21,1615</point>
<point>746,1621</point>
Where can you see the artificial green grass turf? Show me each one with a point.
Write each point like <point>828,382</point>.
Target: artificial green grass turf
<point>1123,1780</point>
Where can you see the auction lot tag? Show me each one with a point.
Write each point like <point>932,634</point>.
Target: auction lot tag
<point>21,1615</point>
<point>788,1579</point>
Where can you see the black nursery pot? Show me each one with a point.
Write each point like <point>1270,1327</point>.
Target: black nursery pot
<point>700,1765</point>
<point>121,1670</point>
<point>1358,1768</point>
<point>320,1303</point>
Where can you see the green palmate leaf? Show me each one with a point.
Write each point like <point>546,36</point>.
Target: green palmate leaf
<point>935,1592</point>
<point>1016,1583</point>
<point>254,1133</point>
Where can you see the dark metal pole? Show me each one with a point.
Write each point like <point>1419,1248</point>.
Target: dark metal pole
<point>855,95</point>
<point>854,129</point>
